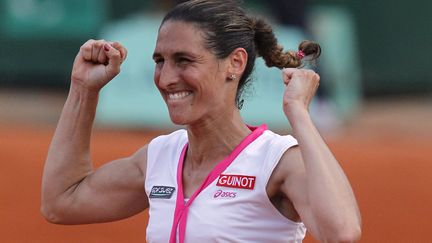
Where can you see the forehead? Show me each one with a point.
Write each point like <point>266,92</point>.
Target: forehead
<point>178,36</point>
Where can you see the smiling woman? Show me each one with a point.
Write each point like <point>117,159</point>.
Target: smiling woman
<point>218,179</point>
<point>189,76</point>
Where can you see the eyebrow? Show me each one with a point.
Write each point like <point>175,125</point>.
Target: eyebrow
<point>176,55</point>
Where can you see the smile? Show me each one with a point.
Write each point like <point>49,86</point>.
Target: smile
<point>179,95</point>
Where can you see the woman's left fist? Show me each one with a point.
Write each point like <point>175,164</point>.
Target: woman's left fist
<point>301,86</point>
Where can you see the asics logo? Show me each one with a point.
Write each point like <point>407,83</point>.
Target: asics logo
<point>224,194</point>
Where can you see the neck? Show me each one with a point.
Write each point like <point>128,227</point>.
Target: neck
<point>212,140</point>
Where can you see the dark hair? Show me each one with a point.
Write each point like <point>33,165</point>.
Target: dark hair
<point>226,26</point>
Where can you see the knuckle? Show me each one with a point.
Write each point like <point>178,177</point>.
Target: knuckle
<point>97,44</point>
<point>86,47</point>
<point>116,54</point>
<point>89,42</point>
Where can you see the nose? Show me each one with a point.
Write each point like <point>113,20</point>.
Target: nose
<point>166,76</point>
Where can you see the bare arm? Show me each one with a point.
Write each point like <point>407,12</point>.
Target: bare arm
<point>314,180</point>
<point>72,192</point>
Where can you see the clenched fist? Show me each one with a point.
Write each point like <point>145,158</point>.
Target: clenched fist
<point>301,86</point>
<point>97,63</point>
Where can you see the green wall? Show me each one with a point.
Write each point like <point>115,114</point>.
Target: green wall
<point>394,38</point>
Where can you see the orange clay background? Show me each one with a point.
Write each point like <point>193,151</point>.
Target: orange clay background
<point>386,151</point>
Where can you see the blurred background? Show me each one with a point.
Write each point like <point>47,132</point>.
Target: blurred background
<point>373,106</point>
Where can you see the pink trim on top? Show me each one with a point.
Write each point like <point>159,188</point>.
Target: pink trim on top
<point>181,210</point>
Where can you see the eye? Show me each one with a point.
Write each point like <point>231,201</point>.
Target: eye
<point>183,60</point>
<point>158,60</point>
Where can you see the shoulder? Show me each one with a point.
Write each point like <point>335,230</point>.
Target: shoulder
<point>278,143</point>
<point>172,138</point>
<point>156,146</point>
<point>159,143</point>
<point>275,137</point>
<point>281,151</point>
<point>278,149</point>
<point>166,146</point>
<point>290,160</point>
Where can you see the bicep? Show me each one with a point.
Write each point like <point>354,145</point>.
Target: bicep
<point>294,186</point>
<point>112,192</point>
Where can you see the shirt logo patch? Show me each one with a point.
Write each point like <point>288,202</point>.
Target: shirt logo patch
<point>236,181</point>
<point>224,194</point>
<point>164,192</point>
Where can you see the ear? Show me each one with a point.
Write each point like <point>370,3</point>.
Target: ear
<point>237,63</point>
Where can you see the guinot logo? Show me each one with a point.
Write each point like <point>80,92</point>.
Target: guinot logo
<point>236,181</point>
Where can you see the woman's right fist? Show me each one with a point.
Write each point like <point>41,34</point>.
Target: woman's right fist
<point>97,63</point>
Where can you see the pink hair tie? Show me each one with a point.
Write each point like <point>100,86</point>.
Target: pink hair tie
<point>300,54</point>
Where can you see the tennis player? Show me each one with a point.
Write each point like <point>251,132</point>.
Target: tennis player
<point>218,179</point>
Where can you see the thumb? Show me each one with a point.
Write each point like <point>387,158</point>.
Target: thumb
<point>287,74</point>
<point>114,60</point>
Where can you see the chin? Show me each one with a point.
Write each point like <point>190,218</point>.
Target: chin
<point>178,123</point>
<point>178,119</point>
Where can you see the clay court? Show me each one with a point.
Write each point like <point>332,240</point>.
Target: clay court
<point>386,152</point>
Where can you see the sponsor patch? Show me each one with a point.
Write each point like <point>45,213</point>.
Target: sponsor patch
<point>224,194</point>
<point>165,192</point>
<point>236,181</point>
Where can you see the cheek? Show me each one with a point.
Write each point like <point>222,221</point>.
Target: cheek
<point>156,77</point>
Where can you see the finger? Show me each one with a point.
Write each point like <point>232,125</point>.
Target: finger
<point>114,59</point>
<point>287,74</point>
<point>121,48</point>
<point>289,71</point>
<point>96,49</point>
<point>86,50</point>
<point>317,77</point>
<point>102,57</point>
<point>312,76</point>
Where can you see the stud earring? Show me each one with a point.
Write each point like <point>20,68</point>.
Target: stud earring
<point>233,77</point>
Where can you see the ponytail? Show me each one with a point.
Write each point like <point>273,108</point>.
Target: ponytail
<point>272,52</point>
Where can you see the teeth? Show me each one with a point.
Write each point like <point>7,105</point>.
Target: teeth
<point>178,95</point>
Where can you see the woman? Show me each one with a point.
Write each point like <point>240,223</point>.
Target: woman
<point>218,180</point>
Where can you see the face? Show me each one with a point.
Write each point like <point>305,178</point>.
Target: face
<point>191,80</point>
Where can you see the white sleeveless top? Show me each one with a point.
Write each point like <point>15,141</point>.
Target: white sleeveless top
<point>232,207</point>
